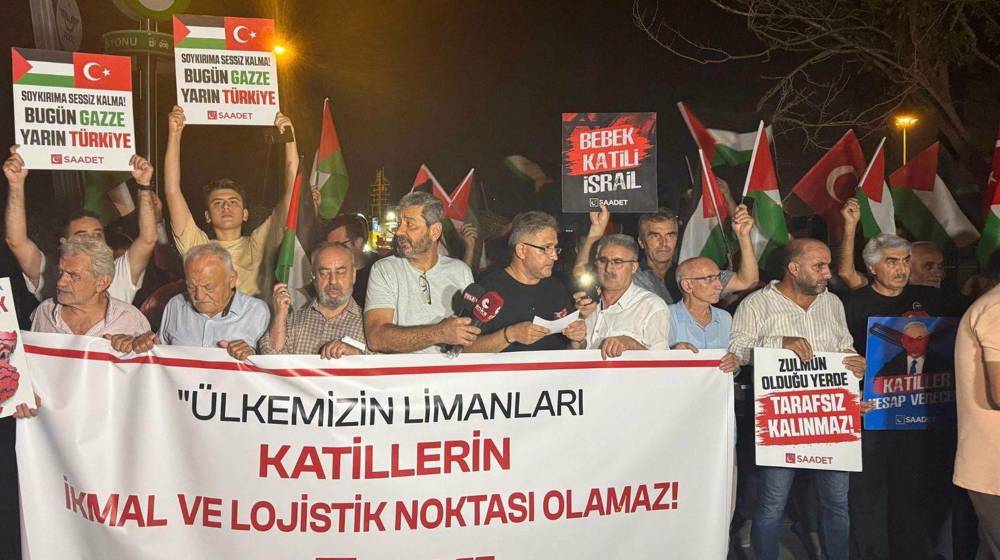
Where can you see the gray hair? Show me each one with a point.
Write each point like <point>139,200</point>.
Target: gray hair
<point>210,249</point>
<point>872,252</point>
<point>528,223</point>
<point>329,245</point>
<point>662,214</point>
<point>102,259</point>
<point>618,240</point>
<point>431,208</point>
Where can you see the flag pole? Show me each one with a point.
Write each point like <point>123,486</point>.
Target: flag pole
<point>706,169</point>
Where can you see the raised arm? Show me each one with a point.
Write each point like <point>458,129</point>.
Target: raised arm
<point>141,249</point>
<point>851,213</point>
<point>598,223</point>
<point>749,274</point>
<point>180,213</point>
<point>291,168</point>
<point>28,255</point>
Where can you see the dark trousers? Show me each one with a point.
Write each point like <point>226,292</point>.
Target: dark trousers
<point>988,509</point>
<point>901,498</point>
<point>10,519</point>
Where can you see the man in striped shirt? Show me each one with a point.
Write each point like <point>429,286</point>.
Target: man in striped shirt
<point>797,313</point>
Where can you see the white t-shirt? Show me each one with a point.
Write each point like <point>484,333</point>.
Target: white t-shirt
<point>395,284</point>
<point>121,285</point>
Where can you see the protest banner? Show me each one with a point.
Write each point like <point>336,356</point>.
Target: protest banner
<point>226,70</point>
<point>910,375</point>
<point>15,380</point>
<point>73,110</point>
<point>185,453</point>
<point>609,158</point>
<point>807,413</point>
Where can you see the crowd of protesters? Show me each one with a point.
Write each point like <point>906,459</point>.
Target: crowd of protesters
<point>920,490</point>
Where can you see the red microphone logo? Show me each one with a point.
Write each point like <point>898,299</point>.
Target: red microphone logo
<point>487,307</point>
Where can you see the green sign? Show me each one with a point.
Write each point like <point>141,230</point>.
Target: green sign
<point>153,9</point>
<point>133,41</point>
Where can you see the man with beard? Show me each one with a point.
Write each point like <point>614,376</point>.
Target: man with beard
<point>797,313</point>
<point>528,291</point>
<point>226,210</point>
<point>319,326</point>
<point>411,295</point>
<point>899,494</point>
<point>350,231</point>
<point>658,233</point>
<point>212,314</point>
<point>626,317</point>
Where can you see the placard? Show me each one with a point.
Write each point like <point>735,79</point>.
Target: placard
<point>15,378</point>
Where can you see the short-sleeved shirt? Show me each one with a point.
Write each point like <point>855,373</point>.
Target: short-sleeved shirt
<point>639,314</point>
<point>307,330</point>
<point>395,284</point>
<point>684,328</point>
<point>548,299</point>
<point>119,318</point>
<point>245,319</point>
<point>978,342</point>
<point>248,252</point>
<point>667,288</point>
<point>121,286</point>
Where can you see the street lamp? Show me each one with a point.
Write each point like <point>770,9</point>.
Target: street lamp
<point>905,122</point>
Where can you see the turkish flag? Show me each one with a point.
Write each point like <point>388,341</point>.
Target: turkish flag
<point>833,180</point>
<point>249,34</point>
<point>102,71</point>
<point>990,190</point>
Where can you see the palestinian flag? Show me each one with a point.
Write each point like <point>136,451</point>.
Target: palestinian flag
<point>704,234</point>
<point>293,259</point>
<point>329,172</point>
<point>770,230</point>
<point>877,212</point>
<point>528,170</point>
<point>223,33</point>
<point>989,192</point>
<point>721,147</point>
<point>925,206</point>
<point>33,67</point>
<point>106,194</point>
<point>990,241</point>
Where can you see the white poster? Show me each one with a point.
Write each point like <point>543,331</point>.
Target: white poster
<point>15,379</point>
<point>557,455</point>
<point>808,414</point>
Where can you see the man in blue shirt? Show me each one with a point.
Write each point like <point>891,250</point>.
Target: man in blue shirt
<point>695,323</point>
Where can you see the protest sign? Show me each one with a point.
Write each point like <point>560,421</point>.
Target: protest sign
<point>73,110</point>
<point>807,413</point>
<point>910,376</point>
<point>226,70</point>
<point>15,381</point>
<point>186,453</point>
<point>609,158</point>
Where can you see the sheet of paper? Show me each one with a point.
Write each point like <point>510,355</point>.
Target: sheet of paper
<point>559,325</point>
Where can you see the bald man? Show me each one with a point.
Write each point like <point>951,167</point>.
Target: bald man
<point>695,322</point>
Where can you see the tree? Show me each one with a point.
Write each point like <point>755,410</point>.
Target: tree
<point>852,63</point>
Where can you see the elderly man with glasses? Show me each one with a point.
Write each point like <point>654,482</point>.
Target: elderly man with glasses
<point>410,295</point>
<point>529,290</point>
<point>695,322</point>
<point>626,317</point>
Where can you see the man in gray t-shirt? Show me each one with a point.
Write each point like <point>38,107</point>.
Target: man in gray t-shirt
<point>409,303</point>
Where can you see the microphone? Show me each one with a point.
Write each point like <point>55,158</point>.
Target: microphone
<point>484,309</point>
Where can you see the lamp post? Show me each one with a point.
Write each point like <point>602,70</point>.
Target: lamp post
<point>905,122</point>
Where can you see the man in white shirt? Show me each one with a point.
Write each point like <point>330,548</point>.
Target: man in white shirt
<point>627,317</point>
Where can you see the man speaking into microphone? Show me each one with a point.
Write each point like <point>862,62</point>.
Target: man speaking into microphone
<point>528,290</point>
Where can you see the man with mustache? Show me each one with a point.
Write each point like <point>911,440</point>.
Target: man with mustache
<point>625,317</point>
<point>797,313</point>
<point>898,463</point>
<point>411,295</point>
<point>319,326</point>
<point>213,313</point>
<point>529,290</point>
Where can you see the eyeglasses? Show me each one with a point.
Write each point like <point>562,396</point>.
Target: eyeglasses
<point>547,250</point>
<point>606,262</point>
<point>706,279</point>
<point>425,288</point>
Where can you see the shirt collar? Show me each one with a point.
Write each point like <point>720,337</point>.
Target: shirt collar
<point>684,314</point>
<point>630,294</point>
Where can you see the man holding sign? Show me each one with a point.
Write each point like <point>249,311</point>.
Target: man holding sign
<point>797,313</point>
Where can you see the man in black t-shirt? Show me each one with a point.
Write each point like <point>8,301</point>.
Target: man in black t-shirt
<point>911,467</point>
<point>529,290</point>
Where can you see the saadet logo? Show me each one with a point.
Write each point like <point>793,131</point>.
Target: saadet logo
<point>213,115</point>
<point>790,458</point>
<point>56,159</point>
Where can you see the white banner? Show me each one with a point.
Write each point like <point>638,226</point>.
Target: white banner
<point>186,453</point>
<point>808,414</point>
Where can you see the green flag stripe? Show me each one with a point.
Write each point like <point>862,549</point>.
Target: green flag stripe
<point>724,155</point>
<point>202,43</point>
<point>334,190</point>
<point>918,219</point>
<point>989,243</point>
<point>869,227</point>
<point>286,256</point>
<point>715,247</point>
<point>51,80</point>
